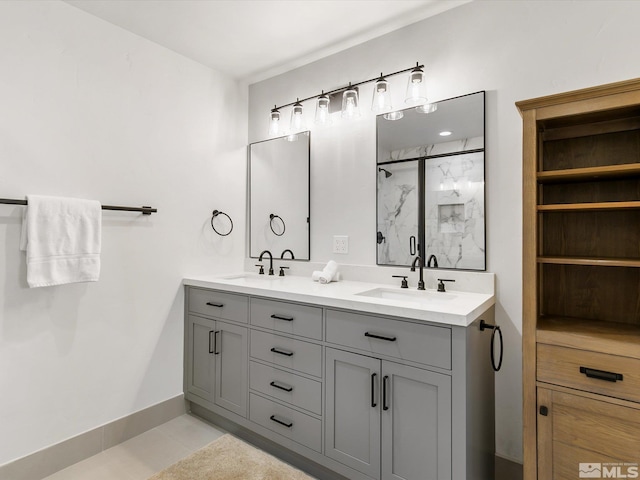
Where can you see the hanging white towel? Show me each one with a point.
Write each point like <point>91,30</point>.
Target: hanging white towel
<point>62,238</point>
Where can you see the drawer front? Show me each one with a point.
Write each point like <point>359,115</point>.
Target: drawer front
<point>219,305</point>
<point>287,352</point>
<point>426,344</point>
<point>288,387</point>
<point>590,371</point>
<point>292,424</point>
<point>287,317</point>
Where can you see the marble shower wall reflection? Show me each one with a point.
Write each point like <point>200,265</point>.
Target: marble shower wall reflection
<point>454,211</point>
<point>397,212</point>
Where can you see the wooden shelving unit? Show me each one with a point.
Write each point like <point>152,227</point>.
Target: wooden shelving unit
<point>581,279</point>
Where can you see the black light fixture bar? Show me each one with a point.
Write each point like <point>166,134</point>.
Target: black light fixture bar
<point>351,85</point>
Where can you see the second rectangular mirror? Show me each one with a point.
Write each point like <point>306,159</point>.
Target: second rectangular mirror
<point>430,184</point>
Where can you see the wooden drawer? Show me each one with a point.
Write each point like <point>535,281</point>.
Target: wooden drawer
<point>219,305</point>
<point>426,344</point>
<point>287,352</point>
<point>578,430</point>
<point>287,317</point>
<point>290,423</point>
<point>589,371</point>
<point>288,387</point>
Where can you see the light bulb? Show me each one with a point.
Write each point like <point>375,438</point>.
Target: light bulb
<point>322,110</point>
<point>274,122</point>
<point>381,95</point>
<point>297,121</point>
<point>350,107</point>
<point>416,88</point>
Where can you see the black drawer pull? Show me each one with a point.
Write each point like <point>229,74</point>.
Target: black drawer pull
<point>385,405</point>
<point>286,388</point>
<point>210,349</point>
<point>278,317</point>
<point>281,352</point>
<point>219,305</point>
<point>601,374</point>
<point>215,342</point>
<point>380,337</point>
<point>288,425</point>
<point>373,390</point>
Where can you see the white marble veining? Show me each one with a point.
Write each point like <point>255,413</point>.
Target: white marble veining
<point>460,310</point>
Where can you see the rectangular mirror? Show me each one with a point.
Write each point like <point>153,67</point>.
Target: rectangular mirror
<point>279,197</point>
<point>430,184</point>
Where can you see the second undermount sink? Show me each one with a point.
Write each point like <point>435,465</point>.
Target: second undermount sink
<point>406,295</point>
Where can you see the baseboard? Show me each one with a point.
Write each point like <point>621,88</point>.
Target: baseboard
<point>507,469</point>
<point>47,461</point>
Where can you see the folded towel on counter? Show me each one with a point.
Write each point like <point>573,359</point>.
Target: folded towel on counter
<point>328,274</point>
<point>62,238</point>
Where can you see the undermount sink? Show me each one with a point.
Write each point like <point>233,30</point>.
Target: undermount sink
<point>413,296</point>
<point>250,277</point>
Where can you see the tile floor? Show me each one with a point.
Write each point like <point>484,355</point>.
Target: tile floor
<point>146,454</point>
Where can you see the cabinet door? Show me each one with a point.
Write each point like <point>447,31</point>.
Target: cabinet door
<point>232,363</point>
<point>200,358</point>
<point>352,435</point>
<point>586,437</point>
<point>416,423</point>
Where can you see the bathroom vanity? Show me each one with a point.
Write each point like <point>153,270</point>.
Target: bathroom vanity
<point>360,380</point>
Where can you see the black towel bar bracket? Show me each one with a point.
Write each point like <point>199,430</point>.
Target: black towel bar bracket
<point>144,210</point>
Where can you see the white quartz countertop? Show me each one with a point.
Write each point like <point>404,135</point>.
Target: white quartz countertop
<point>451,308</point>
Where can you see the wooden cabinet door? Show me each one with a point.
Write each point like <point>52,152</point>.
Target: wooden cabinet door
<point>232,365</point>
<point>352,425</point>
<point>200,358</point>
<point>577,433</point>
<point>416,423</point>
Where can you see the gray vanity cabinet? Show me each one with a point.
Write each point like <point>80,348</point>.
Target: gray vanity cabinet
<point>217,363</point>
<point>387,420</point>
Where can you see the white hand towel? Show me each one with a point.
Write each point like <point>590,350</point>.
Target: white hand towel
<point>62,238</point>
<point>315,275</point>
<point>329,273</point>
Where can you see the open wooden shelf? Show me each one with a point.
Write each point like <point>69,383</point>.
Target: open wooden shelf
<point>604,337</point>
<point>589,173</point>
<point>595,262</point>
<point>589,207</point>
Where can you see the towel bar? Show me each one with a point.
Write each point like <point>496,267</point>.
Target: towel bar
<point>143,210</point>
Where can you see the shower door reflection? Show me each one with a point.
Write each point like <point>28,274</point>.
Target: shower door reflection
<point>397,211</point>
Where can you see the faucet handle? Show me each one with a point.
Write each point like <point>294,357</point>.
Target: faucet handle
<point>404,283</point>
<point>282,271</point>
<point>261,272</point>
<point>441,284</point>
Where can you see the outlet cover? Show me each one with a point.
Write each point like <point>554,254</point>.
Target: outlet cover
<point>341,244</point>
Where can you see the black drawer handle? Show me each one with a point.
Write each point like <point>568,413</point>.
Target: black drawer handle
<point>373,390</point>
<point>278,317</point>
<point>385,380</point>
<point>219,305</point>
<point>601,374</point>
<point>286,388</point>
<point>215,342</point>
<point>380,337</point>
<point>288,425</point>
<point>281,352</point>
<point>210,349</point>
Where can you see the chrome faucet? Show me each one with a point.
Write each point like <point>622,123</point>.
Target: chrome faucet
<point>270,260</point>
<point>413,269</point>
<point>287,251</point>
<point>435,262</point>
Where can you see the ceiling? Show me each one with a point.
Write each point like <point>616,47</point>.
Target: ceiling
<point>251,40</point>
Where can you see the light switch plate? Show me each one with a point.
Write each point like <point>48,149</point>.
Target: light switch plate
<point>341,244</point>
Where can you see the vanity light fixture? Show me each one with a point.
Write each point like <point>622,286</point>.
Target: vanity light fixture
<point>297,123</point>
<point>322,110</point>
<point>416,88</point>
<point>350,101</point>
<point>274,122</point>
<point>381,95</point>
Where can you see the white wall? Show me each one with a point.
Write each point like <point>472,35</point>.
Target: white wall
<point>514,50</point>
<point>89,110</point>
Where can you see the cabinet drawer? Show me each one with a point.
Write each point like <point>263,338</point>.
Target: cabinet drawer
<point>426,344</point>
<point>590,371</point>
<point>288,387</point>
<point>292,424</point>
<point>287,352</point>
<point>287,317</point>
<point>219,305</point>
